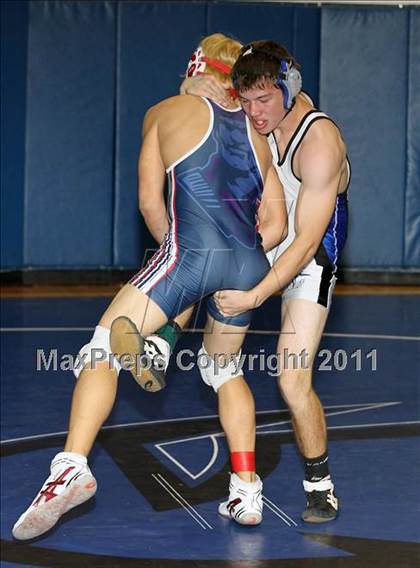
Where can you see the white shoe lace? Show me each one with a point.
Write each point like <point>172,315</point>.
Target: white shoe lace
<point>157,349</point>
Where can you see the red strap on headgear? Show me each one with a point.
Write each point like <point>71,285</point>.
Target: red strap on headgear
<point>216,64</point>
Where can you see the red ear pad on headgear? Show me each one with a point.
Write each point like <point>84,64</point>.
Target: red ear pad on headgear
<point>198,62</point>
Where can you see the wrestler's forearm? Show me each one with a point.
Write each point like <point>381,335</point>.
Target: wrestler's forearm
<point>271,238</point>
<point>157,224</point>
<point>286,267</point>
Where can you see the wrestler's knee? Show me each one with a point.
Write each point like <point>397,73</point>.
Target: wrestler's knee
<point>96,352</point>
<point>295,386</point>
<point>216,374</point>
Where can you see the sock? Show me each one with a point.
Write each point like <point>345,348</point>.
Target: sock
<point>64,457</point>
<point>247,485</point>
<point>170,332</point>
<point>316,468</point>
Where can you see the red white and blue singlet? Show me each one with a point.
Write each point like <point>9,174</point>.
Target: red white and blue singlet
<point>212,242</point>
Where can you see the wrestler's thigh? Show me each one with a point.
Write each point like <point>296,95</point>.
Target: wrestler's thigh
<point>221,338</point>
<point>134,304</point>
<point>302,324</point>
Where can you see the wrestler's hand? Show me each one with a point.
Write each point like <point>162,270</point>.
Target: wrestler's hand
<point>205,86</point>
<point>235,302</point>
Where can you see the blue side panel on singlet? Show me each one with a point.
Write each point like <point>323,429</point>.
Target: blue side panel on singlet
<point>336,233</point>
<point>219,187</point>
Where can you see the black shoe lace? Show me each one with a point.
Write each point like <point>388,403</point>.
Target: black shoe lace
<point>318,499</point>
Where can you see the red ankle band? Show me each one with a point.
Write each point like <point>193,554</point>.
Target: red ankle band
<point>242,461</point>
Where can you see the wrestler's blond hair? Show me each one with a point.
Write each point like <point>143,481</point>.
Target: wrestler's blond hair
<point>223,48</point>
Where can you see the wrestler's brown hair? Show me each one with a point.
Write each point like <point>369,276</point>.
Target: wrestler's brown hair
<point>259,62</point>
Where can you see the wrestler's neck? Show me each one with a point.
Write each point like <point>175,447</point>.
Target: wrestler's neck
<point>232,105</point>
<point>291,120</point>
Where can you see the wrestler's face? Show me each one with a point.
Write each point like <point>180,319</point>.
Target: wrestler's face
<point>263,105</point>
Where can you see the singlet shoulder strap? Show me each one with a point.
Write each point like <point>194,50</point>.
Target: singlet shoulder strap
<point>311,117</point>
<point>271,139</point>
<point>216,106</point>
<point>298,134</point>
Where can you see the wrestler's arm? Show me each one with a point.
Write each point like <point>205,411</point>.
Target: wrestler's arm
<point>151,178</point>
<point>320,172</point>
<point>320,178</point>
<point>272,214</point>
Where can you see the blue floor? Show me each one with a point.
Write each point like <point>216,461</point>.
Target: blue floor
<point>161,461</point>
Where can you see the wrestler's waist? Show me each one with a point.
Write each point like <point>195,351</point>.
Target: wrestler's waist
<point>233,243</point>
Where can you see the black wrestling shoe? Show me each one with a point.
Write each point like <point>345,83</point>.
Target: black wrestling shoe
<point>321,503</point>
<point>148,367</point>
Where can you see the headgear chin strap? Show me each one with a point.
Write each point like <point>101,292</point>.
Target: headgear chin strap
<point>290,82</point>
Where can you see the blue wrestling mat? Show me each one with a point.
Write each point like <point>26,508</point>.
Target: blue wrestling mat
<point>161,460</point>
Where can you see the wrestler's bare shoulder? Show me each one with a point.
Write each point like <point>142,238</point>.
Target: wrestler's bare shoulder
<point>174,106</point>
<point>325,132</point>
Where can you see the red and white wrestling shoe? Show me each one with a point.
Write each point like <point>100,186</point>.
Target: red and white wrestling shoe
<point>245,501</point>
<point>69,484</point>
